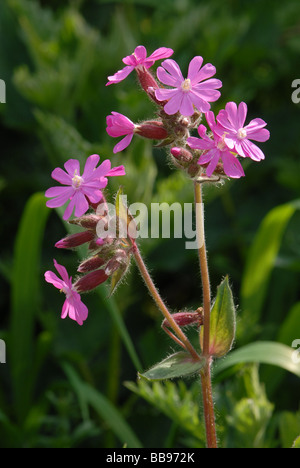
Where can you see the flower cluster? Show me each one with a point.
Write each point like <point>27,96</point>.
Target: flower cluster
<point>82,193</point>
<point>182,103</point>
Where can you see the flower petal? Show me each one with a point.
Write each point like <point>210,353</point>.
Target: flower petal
<point>140,53</point>
<point>51,277</point>
<point>119,75</point>
<point>241,114</point>
<point>90,166</point>
<point>61,176</point>
<point>123,143</point>
<point>194,67</point>
<point>201,104</point>
<point>255,130</point>
<point>232,166</point>
<point>174,71</point>
<point>174,103</point>
<point>62,271</point>
<point>81,204</point>
<point>116,171</point>
<point>186,106</point>
<point>160,53</point>
<point>58,200</point>
<point>207,71</point>
<point>72,167</point>
<point>252,151</point>
<point>213,163</point>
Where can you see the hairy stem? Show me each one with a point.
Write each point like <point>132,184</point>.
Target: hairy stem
<point>205,373</point>
<point>160,303</point>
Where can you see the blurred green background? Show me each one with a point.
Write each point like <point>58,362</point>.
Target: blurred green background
<point>65,386</point>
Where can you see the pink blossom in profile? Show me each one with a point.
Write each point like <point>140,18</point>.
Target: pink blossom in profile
<point>119,125</point>
<point>195,91</point>
<point>73,306</point>
<point>237,136</point>
<point>215,150</point>
<point>79,190</point>
<point>137,60</point>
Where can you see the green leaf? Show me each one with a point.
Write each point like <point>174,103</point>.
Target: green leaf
<point>25,298</point>
<point>177,365</point>
<point>289,427</point>
<point>260,262</point>
<point>264,352</point>
<point>296,443</point>
<point>89,396</point>
<point>222,321</point>
<point>176,401</point>
<point>60,138</point>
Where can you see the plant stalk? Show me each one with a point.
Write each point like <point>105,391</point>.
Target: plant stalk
<point>205,373</point>
<point>160,303</point>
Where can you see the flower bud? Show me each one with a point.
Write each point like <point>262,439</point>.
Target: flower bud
<point>116,262</point>
<point>184,319</point>
<point>75,240</point>
<point>182,155</point>
<point>90,281</point>
<point>146,79</point>
<point>88,222</point>
<point>152,129</point>
<point>91,264</point>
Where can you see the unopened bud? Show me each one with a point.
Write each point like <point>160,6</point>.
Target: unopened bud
<point>75,240</point>
<point>184,319</point>
<point>119,260</point>
<point>146,79</point>
<point>152,129</point>
<point>88,222</point>
<point>182,155</point>
<point>91,264</point>
<point>90,281</point>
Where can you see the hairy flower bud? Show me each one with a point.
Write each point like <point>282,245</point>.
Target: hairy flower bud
<point>146,78</point>
<point>75,240</point>
<point>184,319</point>
<point>152,129</point>
<point>88,222</point>
<point>182,155</point>
<point>90,281</point>
<point>91,264</point>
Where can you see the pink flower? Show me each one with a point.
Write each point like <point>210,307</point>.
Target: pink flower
<point>73,306</point>
<point>196,90</point>
<point>119,125</point>
<point>215,150</point>
<point>80,190</point>
<point>137,60</point>
<point>236,136</point>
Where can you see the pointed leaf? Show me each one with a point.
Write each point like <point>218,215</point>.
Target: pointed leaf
<point>265,352</point>
<point>222,321</point>
<point>260,263</point>
<point>179,364</point>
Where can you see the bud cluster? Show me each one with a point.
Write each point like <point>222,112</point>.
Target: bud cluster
<point>107,257</point>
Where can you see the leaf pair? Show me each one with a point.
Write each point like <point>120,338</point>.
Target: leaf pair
<point>222,333</point>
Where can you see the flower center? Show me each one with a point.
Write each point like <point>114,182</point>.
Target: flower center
<point>186,85</point>
<point>221,145</point>
<point>76,181</point>
<point>241,133</point>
